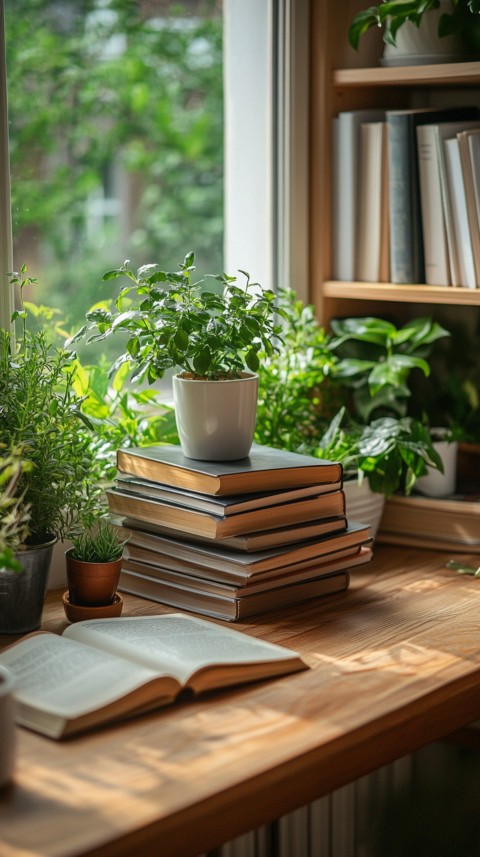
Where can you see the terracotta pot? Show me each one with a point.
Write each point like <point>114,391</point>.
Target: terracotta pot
<point>93,583</point>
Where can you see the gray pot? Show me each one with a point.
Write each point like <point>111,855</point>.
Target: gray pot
<point>22,593</point>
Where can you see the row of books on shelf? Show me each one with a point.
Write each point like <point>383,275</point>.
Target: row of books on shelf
<point>233,539</point>
<point>406,196</point>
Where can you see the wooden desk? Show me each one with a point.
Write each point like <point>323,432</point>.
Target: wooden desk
<point>395,664</point>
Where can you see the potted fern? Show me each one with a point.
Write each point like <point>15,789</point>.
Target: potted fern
<point>213,337</point>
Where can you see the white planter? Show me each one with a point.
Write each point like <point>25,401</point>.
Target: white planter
<point>422,45</point>
<point>363,504</point>
<point>437,484</point>
<point>7,727</point>
<point>216,419</point>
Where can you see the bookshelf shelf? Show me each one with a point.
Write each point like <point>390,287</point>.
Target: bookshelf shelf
<point>446,74</point>
<point>401,294</point>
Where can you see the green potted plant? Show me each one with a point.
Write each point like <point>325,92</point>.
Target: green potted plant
<point>343,396</point>
<point>421,30</point>
<point>40,412</point>
<point>376,363</point>
<point>213,337</point>
<point>93,566</point>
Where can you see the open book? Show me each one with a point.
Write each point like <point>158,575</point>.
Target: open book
<point>102,670</point>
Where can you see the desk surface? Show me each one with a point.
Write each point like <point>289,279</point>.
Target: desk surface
<point>395,664</point>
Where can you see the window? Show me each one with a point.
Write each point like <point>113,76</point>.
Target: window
<point>116,139</point>
<point>102,169</point>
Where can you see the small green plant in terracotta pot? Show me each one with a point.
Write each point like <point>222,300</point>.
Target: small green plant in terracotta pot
<point>94,563</point>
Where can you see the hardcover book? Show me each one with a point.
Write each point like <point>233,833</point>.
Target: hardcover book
<point>266,469</point>
<point>232,603</point>
<point>217,527</point>
<point>250,542</point>
<point>218,505</point>
<point>373,231</point>
<point>231,608</point>
<point>125,666</point>
<point>462,238</point>
<point>217,562</point>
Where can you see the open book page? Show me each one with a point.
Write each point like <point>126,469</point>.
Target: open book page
<point>58,680</point>
<point>197,652</point>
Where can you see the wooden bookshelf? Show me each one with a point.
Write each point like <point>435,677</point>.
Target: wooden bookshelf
<point>334,89</point>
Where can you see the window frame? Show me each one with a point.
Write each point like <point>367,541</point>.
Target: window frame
<point>6,240</point>
<point>266,85</point>
<point>266,67</point>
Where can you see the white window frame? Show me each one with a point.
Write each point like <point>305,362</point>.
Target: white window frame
<point>266,68</point>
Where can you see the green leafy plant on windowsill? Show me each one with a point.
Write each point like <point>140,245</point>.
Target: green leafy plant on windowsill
<point>174,323</point>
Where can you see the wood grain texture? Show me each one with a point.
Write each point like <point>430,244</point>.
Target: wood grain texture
<point>395,664</point>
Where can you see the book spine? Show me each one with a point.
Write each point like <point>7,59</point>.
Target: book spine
<point>371,190</point>
<point>467,171</point>
<point>461,226</point>
<point>437,268</point>
<point>400,199</point>
<point>345,139</point>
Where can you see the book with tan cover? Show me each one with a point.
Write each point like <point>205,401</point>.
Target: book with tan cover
<point>265,469</point>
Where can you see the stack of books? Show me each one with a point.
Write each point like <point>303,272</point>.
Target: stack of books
<point>232,539</point>
<point>436,523</point>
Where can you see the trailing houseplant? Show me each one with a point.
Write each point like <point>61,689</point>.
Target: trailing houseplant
<point>214,337</point>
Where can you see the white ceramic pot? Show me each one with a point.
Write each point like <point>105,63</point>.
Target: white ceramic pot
<point>216,419</point>
<point>7,727</point>
<point>422,45</point>
<point>363,504</point>
<point>437,484</point>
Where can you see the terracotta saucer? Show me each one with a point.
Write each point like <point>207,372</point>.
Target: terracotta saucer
<point>78,612</point>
